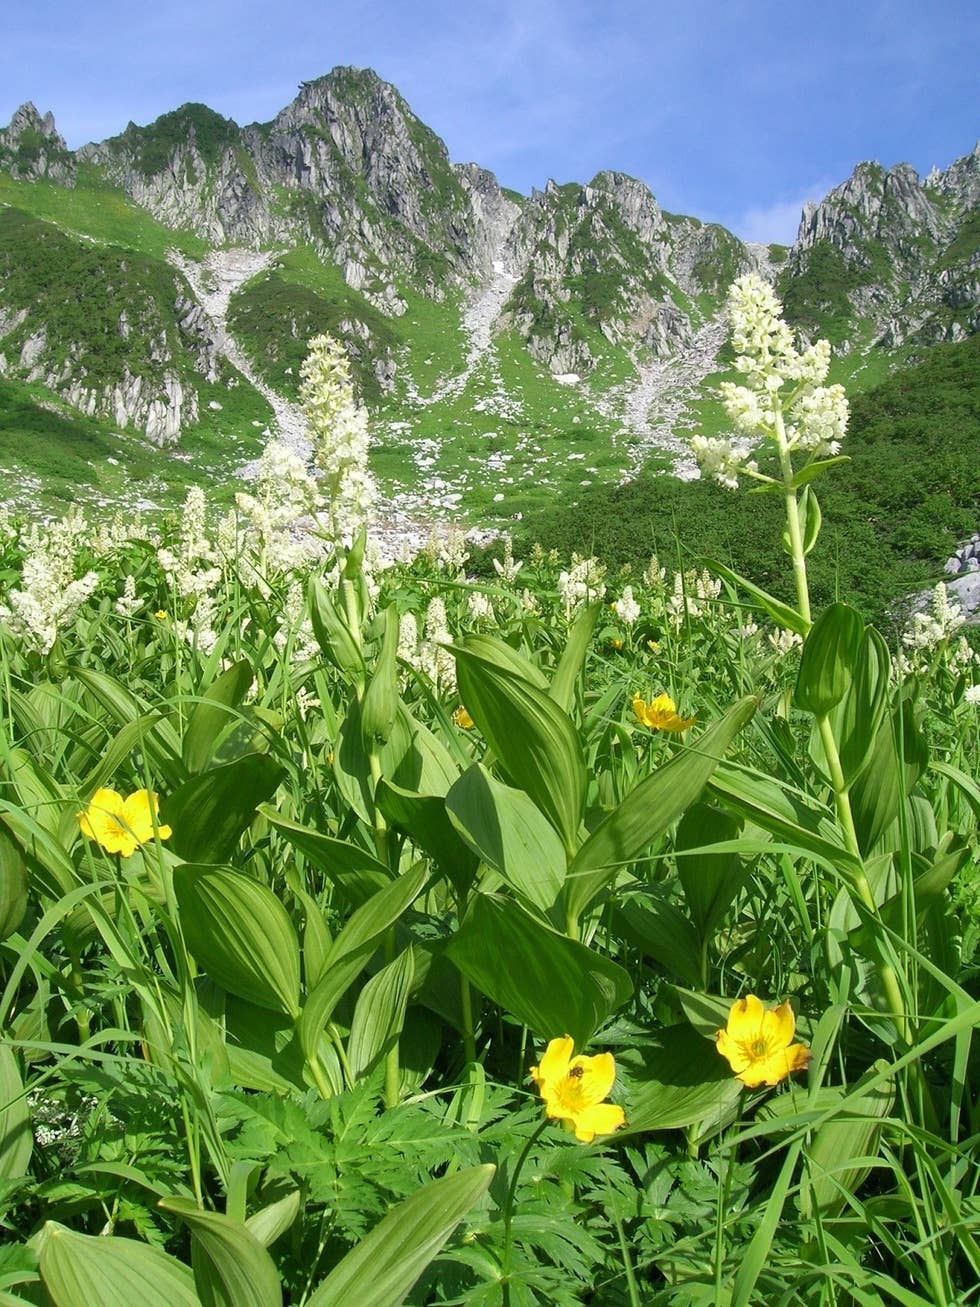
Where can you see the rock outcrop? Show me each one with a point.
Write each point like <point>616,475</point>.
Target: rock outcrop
<point>32,148</point>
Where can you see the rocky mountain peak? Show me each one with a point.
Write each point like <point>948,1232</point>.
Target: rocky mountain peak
<point>31,147</point>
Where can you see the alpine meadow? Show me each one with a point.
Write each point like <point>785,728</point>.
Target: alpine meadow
<point>489,729</point>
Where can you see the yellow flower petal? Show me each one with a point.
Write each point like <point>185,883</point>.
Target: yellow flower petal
<point>120,825</point>
<point>601,1119</point>
<point>757,1043</point>
<point>595,1076</point>
<point>554,1062</point>
<point>661,714</point>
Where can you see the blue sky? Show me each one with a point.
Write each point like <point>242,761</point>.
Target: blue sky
<point>734,112</point>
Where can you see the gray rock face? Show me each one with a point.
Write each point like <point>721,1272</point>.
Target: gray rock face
<point>898,243</point>
<point>31,148</point>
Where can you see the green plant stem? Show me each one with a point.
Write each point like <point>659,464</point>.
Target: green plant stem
<point>631,1285</point>
<point>509,1209</point>
<point>393,1092</point>
<point>466,1003</point>
<point>792,518</point>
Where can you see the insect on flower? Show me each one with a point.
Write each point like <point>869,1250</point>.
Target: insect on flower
<point>573,1089</point>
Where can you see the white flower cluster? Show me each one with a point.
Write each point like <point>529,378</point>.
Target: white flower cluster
<point>285,495</point>
<point>654,575</point>
<point>972,695</point>
<point>784,641</point>
<point>187,570</point>
<point>338,428</point>
<point>581,584</point>
<point>722,458</point>
<point>129,603</point>
<point>691,591</point>
<point>436,662</point>
<point>930,629</point>
<point>767,356</point>
<point>481,609</point>
<point>50,594</point>
<point>296,629</point>
<point>508,569</point>
<point>627,609</point>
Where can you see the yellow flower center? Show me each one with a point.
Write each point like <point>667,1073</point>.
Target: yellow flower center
<point>758,1048</point>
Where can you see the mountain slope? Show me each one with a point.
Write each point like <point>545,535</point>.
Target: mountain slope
<point>571,335</point>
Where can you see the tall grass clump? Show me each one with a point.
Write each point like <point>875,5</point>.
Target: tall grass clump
<point>369,934</point>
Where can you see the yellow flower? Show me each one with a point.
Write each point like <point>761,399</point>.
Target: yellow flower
<point>616,642</point>
<point>653,645</point>
<point>160,615</point>
<point>573,1089</point>
<point>121,825</point>
<point>758,1044</point>
<point>462,718</point>
<point>660,714</point>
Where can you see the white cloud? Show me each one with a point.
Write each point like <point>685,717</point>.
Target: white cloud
<point>776,223</point>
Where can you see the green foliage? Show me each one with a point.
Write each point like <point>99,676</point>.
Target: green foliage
<point>892,515</point>
<point>152,147</point>
<point>275,318</point>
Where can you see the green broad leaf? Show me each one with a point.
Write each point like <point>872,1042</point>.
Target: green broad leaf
<point>13,885</point>
<point>676,1081</point>
<point>124,741</point>
<point>213,713</point>
<point>263,1053</point>
<point>379,1015</point>
<point>16,1135</point>
<point>379,706</point>
<point>49,867</point>
<point>562,688</point>
<point>505,829</point>
<point>352,764</point>
<point>34,788</point>
<point>423,817</point>
<point>554,985</point>
<point>160,741</point>
<point>82,1270</point>
<point>653,806</point>
<point>358,873</point>
<point>858,718</point>
<point>534,740</point>
<point>241,934</point>
<point>795,818</point>
<point>231,1267</point>
<point>839,1147</point>
<point>710,880</point>
<point>830,655</point>
<point>382,1268</point>
<point>500,654</point>
<point>271,1222</point>
<point>780,612</point>
<point>707,1013</point>
<point>209,813</point>
<point>877,793</point>
<point>351,950</point>
<point>664,934</point>
<point>333,635</point>
<point>811,519</point>
<point>806,474</point>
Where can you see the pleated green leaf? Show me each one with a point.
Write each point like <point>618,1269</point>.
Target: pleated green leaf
<point>676,1081</point>
<point>231,1267</point>
<point>382,1268</point>
<point>16,1136</point>
<point>508,832</point>
<point>241,935</point>
<point>84,1270</point>
<point>653,806</point>
<point>551,983</point>
<point>532,737</point>
<point>830,655</point>
<point>380,1014</point>
<point>211,811</point>
<point>213,713</point>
